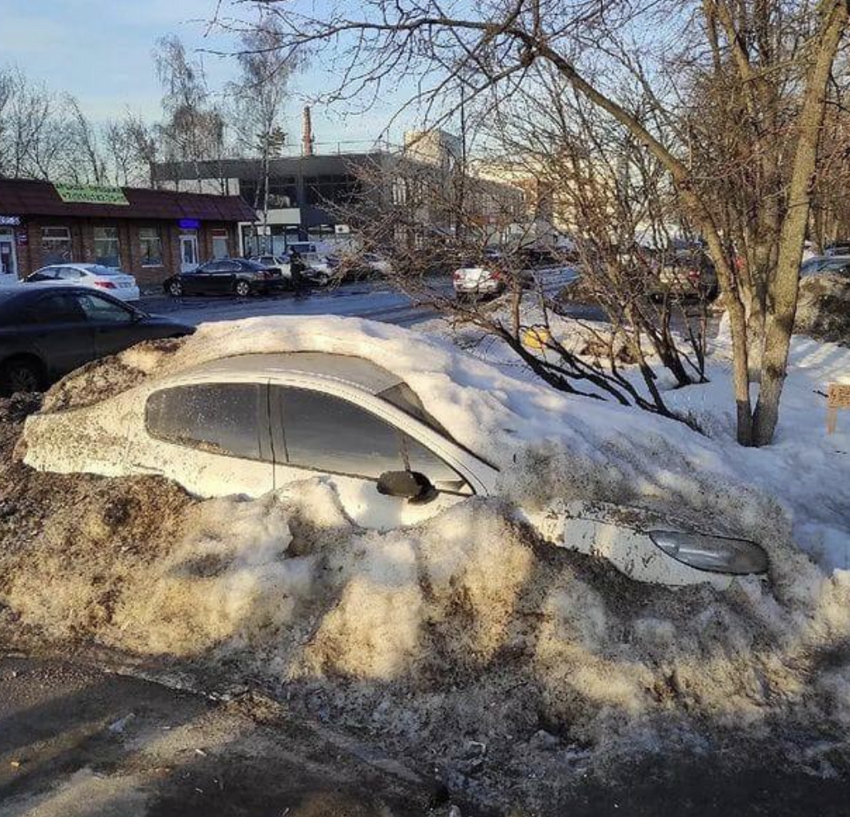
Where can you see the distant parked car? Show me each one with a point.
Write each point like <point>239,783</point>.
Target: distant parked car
<point>117,283</point>
<point>820,264</point>
<point>226,276</point>
<point>684,272</point>
<point>473,280</point>
<point>360,266</point>
<point>47,332</point>
<point>837,248</point>
<point>317,272</point>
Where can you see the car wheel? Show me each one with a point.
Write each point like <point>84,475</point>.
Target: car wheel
<point>175,289</point>
<point>21,375</point>
<point>242,289</point>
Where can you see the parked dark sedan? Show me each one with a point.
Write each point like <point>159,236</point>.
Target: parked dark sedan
<point>45,333</point>
<point>227,276</point>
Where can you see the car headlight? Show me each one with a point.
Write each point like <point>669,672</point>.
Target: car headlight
<point>716,554</point>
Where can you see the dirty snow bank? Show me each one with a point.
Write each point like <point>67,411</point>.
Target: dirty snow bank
<point>462,643</point>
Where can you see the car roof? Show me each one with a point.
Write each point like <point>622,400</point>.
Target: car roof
<point>74,265</point>
<point>356,371</point>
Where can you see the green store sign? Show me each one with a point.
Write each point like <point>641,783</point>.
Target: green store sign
<point>88,194</point>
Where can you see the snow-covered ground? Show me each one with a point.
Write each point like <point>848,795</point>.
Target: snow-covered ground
<point>806,470</point>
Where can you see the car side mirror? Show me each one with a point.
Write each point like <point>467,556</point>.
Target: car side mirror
<point>409,485</point>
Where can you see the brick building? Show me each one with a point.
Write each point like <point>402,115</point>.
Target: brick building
<point>148,233</point>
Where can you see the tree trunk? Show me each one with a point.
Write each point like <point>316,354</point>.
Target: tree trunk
<point>783,292</point>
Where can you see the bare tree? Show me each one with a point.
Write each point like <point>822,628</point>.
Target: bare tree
<point>193,129</point>
<point>426,226</point>
<point>132,147</point>
<point>259,95</point>
<point>769,61</point>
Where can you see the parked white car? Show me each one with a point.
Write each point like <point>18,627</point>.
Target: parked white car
<point>105,279</point>
<point>477,281</point>
<point>317,270</point>
<point>254,423</point>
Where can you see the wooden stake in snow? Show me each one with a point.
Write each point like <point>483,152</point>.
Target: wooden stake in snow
<point>837,397</point>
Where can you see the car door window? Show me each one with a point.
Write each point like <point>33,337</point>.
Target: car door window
<point>55,309</point>
<point>222,418</point>
<point>102,310</point>
<point>228,266</point>
<point>326,433</point>
<point>68,274</point>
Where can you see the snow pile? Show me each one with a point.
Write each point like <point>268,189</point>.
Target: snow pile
<point>549,445</point>
<point>823,310</point>
<point>102,379</point>
<point>462,630</point>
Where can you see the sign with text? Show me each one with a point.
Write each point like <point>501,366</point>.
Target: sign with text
<point>10,221</point>
<point>88,194</point>
<point>837,397</point>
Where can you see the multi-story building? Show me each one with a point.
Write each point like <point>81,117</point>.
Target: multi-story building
<point>326,197</point>
<point>309,197</point>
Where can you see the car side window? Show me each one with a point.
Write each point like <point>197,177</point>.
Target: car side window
<point>326,433</point>
<point>101,310</point>
<point>68,274</point>
<point>55,309</point>
<point>46,274</point>
<point>229,266</point>
<point>221,418</point>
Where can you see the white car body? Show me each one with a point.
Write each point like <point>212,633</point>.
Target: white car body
<point>477,281</point>
<point>94,276</point>
<point>148,430</point>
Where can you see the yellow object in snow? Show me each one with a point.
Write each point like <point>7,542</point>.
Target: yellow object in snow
<point>536,338</point>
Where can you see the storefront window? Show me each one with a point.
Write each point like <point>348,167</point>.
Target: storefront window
<point>220,244</point>
<point>55,245</point>
<point>150,242</point>
<point>107,250</point>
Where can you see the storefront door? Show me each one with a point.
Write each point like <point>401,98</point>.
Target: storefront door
<point>188,252</point>
<point>8,260</point>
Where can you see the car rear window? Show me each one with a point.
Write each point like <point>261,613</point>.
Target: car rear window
<point>220,418</point>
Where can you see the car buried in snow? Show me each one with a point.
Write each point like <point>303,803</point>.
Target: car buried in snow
<point>253,423</point>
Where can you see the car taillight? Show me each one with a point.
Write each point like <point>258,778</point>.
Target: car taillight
<point>496,275</point>
<point>104,284</point>
<point>693,274</point>
<point>458,275</point>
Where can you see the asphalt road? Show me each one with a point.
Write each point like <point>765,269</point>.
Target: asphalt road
<point>370,299</point>
<point>76,741</point>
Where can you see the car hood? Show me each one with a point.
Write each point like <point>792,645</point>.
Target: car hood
<point>164,320</point>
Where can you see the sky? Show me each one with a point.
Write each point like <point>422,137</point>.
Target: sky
<point>100,52</point>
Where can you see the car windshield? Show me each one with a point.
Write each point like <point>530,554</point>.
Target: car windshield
<point>403,397</point>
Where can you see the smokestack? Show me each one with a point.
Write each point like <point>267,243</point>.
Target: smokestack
<point>306,133</point>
